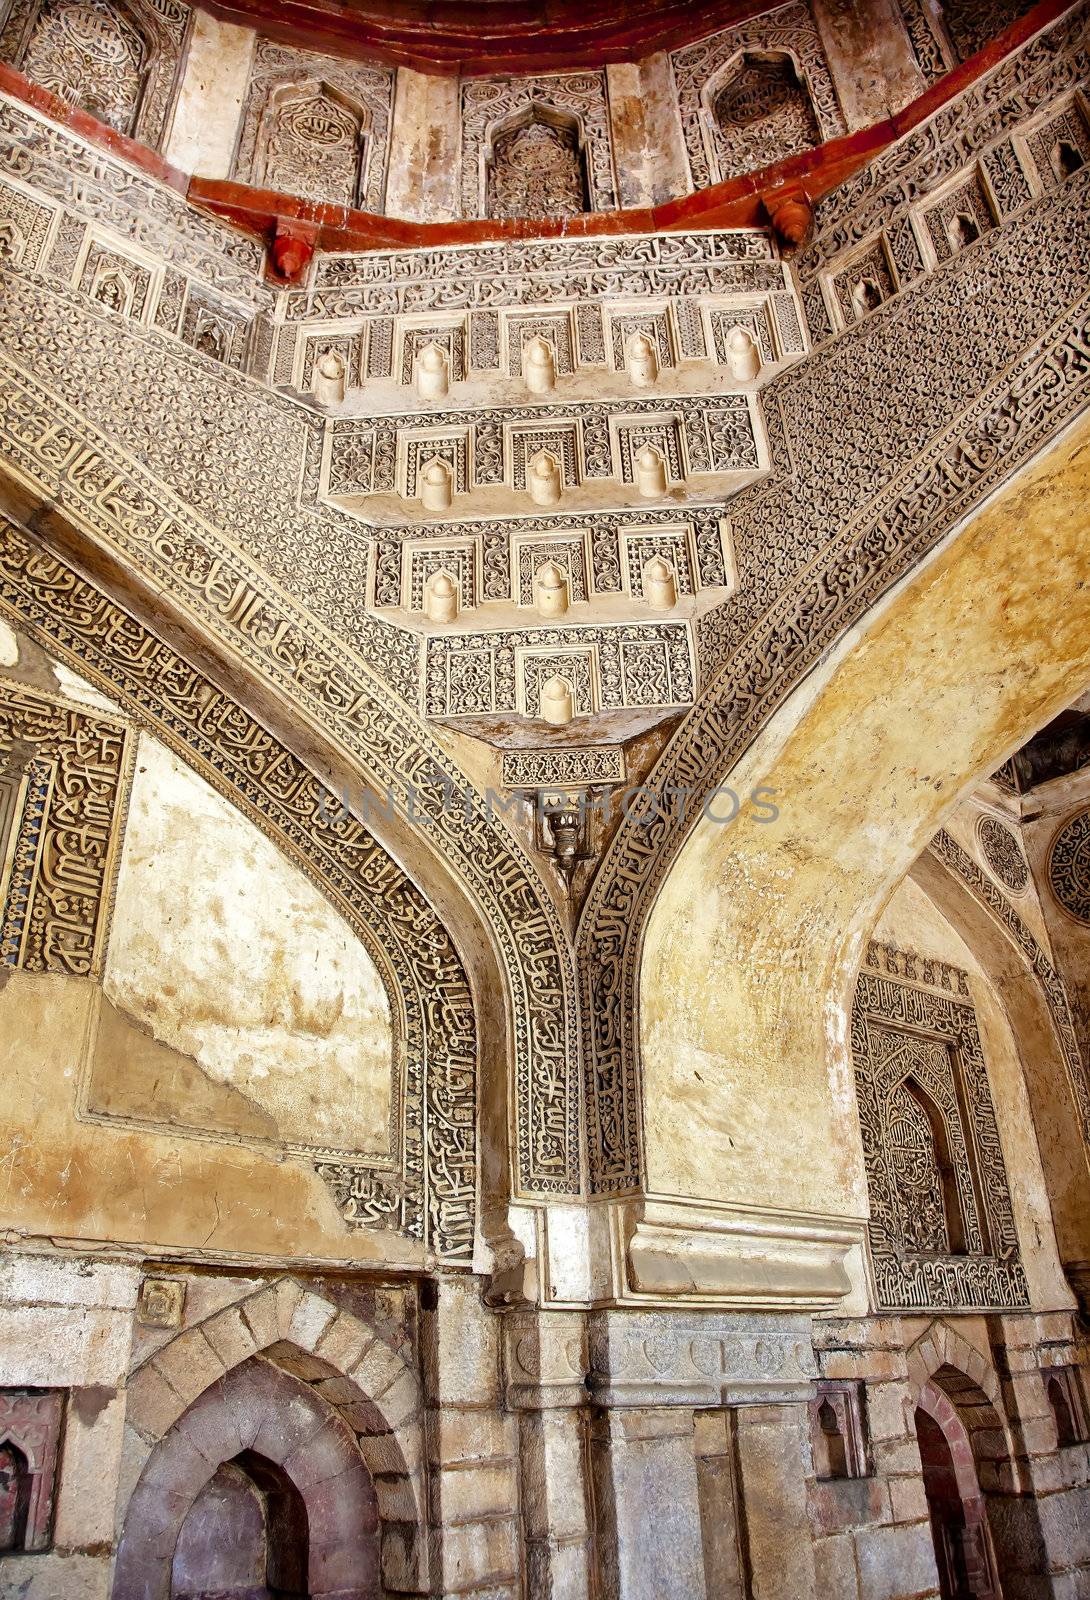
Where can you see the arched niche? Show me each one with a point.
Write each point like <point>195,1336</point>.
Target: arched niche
<point>759,110</point>
<point>312,141</point>
<point>116,60</point>
<point>1033,1031</point>
<point>535,164</point>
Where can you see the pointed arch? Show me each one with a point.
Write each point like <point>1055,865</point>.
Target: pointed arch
<point>202,1399</point>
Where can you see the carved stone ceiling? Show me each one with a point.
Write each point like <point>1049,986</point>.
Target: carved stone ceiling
<point>967,356</point>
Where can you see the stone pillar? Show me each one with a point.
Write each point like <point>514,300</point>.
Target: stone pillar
<point>545,1365</point>
<point>719,1508</point>
<point>472,1446</point>
<point>773,1445</point>
<point>648,145</point>
<point>870,57</point>
<point>425,137</point>
<point>1051,1523</point>
<point>215,78</point>
<point>647,1504</point>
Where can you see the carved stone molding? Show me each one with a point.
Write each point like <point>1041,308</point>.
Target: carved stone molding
<point>68,772</point>
<point>1069,867</point>
<point>942,1229</point>
<point>702,71</point>
<point>683,1250</point>
<point>649,1358</point>
<point>431,1195</point>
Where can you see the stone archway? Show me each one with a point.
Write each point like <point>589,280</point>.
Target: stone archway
<point>960,1392</point>
<point>306,1402</point>
<point>863,762</point>
<point>954,1501</point>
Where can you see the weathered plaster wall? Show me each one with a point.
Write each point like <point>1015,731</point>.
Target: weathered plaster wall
<point>911,922</point>
<point>225,953</point>
<point>751,950</point>
<point>422,179</point>
<point>238,1014</point>
<point>648,145</point>
<point>870,58</point>
<point>209,106</point>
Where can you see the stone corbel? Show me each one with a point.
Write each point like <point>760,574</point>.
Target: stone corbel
<point>791,214</point>
<point>292,248</point>
<point>722,1255</point>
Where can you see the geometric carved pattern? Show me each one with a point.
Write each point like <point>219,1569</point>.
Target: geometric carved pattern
<point>755,321</point>
<point>568,554</point>
<point>1002,851</point>
<point>551,139</point>
<point>479,673</point>
<point>771,78</point>
<point>554,328</point>
<point>1069,867</point>
<point>30,1424</point>
<point>24,224</point>
<point>572,768</point>
<point>941,1230</point>
<point>316,126</point>
<point>115,281</point>
<point>65,819</point>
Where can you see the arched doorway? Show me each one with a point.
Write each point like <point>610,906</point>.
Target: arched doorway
<point>259,1490</point>
<point>955,1504</point>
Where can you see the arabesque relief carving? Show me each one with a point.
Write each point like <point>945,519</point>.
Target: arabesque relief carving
<point>754,93</point>
<point>316,126</point>
<point>116,60</point>
<point>941,1230</point>
<point>1069,867</point>
<point>528,142</point>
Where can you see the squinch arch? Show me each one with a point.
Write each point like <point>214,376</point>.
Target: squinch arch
<point>864,763</point>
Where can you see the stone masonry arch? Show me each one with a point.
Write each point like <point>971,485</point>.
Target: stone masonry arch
<point>371,1390</point>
